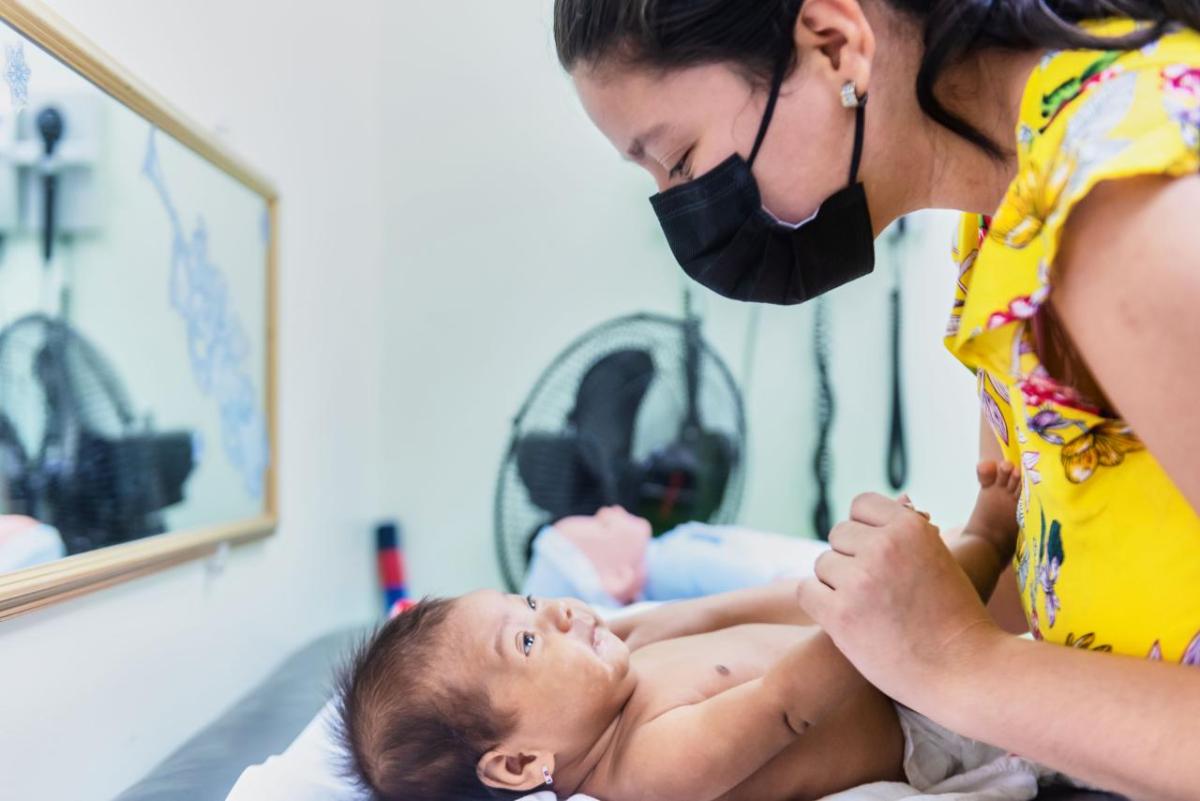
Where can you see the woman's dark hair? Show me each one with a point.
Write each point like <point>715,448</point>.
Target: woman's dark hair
<point>755,36</point>
<point>408,734</point>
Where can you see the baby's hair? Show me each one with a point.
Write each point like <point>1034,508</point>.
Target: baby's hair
<point>407,733</point>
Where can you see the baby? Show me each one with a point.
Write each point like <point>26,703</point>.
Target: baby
<point>729,697</point>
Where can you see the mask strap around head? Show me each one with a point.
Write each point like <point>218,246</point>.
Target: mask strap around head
<point>776,84</point>
<point>859,125</point>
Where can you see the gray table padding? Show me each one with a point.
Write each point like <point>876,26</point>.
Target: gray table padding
<point>262,723</point>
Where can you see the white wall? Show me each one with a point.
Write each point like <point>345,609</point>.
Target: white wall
<point>97,690</point>
<point>450,222</point>
<point>514,227</point>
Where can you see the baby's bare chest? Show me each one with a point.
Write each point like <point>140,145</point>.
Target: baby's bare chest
<point>690,669</point>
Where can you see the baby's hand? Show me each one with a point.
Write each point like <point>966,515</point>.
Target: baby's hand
<point>995,514</point>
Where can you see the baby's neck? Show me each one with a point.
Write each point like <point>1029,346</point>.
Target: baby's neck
<point>571,775</point>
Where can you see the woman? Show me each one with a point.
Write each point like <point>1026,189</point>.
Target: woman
<point>1069,133</point>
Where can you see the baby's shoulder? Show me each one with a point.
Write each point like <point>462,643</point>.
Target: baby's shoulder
<point>627,767</point>
<point>617,774</point>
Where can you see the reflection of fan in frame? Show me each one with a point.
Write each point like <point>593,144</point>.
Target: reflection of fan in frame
<point>639,412</point>
<point>72,453</point>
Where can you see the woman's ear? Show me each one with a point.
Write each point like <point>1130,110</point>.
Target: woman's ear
<point>505,771</point>
<point>837,33</point>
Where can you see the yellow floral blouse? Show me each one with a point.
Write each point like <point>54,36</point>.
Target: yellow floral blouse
<point>1109,552</point>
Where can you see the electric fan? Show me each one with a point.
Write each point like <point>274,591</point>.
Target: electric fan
<point>72,453</point>
<point>641,412</point>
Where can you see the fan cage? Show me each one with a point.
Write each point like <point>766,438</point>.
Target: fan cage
<point>719,400</point>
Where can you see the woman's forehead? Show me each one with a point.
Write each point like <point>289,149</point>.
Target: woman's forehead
<point>632,106</point>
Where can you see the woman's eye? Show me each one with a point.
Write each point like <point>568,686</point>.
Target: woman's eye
<point>532,603</point>
<point>680,169</point>
<point>526,643</point>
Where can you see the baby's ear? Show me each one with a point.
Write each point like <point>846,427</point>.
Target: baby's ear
<point>505,771</point>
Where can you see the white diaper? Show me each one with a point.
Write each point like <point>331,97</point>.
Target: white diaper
<point>937,761</point>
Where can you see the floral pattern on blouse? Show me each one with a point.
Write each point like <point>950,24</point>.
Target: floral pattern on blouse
<point>1089,487</point>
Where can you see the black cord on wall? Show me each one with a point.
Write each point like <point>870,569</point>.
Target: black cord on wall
<point>826,406</point>
<point>897,450</point>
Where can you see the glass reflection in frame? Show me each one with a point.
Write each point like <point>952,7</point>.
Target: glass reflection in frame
<point>133,324</point>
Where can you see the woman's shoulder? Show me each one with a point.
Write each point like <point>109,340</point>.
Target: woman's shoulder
<point>1093,115</point>
<point>1086,116</point>
<point>1065,82</point>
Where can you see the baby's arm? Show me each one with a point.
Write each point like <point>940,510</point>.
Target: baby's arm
<point>987,542</point>
<point>979,560</point>
<point>770,603</point>
<point>701,751</point>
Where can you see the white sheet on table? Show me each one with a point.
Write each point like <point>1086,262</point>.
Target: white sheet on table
<point>310,770</point>
<point>1003,780</point>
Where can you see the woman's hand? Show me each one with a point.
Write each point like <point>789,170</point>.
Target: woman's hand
<point>894,599</point>
<point>664,622</point>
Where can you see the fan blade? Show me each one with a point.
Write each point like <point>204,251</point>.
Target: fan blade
<point>608,399</point>
<point>564,474</point>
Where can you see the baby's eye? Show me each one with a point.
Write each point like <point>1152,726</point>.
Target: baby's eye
<point>527,643</point>
<point>532,603</point>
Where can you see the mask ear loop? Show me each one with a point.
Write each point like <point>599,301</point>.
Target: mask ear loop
<point>860,112</point>
<point>859,131</point>
<point>776,84</point>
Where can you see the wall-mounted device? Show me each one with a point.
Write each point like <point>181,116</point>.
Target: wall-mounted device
<point>54,151</point>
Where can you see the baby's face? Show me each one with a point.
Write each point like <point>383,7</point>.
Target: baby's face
<point>553,662</point>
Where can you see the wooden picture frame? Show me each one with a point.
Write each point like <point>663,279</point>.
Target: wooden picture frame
<point>32,588</point>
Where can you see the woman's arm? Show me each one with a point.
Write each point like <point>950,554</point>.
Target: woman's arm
<point>905,614</point>
<point>1127,292</point>
<point>979,560</point>
<point>1113,721</point>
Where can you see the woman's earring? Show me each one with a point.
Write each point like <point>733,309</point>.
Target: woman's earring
<point>849,95</point>
<point>546,775</point>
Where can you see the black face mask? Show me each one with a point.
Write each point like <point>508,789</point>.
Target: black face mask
<point>724,239</point>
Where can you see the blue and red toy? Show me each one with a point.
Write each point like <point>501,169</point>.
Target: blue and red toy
<point>390,556</point>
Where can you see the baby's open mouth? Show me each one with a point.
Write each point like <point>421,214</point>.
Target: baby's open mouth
<point>596,634</point>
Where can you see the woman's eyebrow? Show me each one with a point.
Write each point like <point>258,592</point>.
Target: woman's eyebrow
<point>637,148</point>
